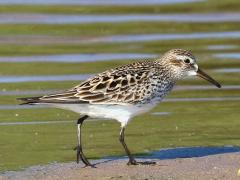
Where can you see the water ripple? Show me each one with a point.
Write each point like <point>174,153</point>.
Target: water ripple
<point>74,58</point>
<point>97,2</point>
<point>18,79</point>
<point>84,19</point>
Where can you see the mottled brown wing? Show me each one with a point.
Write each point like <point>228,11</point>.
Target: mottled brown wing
<point>126,84</point>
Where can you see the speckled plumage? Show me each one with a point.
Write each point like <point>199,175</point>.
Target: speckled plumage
<point>136,83</point>
<point>135,88</point>
<point>124,92</point>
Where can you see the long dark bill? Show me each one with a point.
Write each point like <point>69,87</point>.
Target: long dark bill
<point>203,75</point>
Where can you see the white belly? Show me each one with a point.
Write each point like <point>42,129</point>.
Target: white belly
<point>122,113</point>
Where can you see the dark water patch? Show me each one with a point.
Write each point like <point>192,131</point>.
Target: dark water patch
<point>18,79</point>
<point>84,19</point>
<point>97,2</point>
<point>74,58</point>
<point>180,152</point>
<point>190,152</point>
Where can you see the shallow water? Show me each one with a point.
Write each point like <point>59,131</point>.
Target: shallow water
<point>97,2</point>
<point>201,99</point>
<point>228,55</point>
<point>228,70</point>
<point>73,58</point>
<point>204,87</point>
<point>27,92</point>
<point>160,113</point>
<point>17,79</point>
<point>44,39</point>
<point>36,122</point>
<point>222,47</point>
<point>83,19</point>
<point>165,36</point>
<point>14,107</point>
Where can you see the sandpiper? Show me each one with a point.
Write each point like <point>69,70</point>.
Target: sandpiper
<point>124,92</point>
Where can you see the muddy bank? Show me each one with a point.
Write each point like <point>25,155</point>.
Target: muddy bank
<point>218,166</point>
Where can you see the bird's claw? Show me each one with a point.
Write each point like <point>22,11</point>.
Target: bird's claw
<point>81,156</point>
<point>134,162</point>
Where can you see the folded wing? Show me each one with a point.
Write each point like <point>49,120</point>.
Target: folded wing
<point>126,84</point>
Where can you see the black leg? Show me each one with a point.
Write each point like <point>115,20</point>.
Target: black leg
<point>80,154</point>
<point>131,161</point>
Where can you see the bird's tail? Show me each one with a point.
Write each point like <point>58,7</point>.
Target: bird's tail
<point>29,100</point>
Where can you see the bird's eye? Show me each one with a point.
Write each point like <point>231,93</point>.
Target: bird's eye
<point>187,61</point>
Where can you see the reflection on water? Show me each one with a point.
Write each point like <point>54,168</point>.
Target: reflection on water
<point>228,70</point>
<point>27,92</point>
<point>222,47</point>
<point>14,107</point>
<point>98,2</point>
<point>155,37</point>
<point>228,55</point>
<point>201,99</point>
<point>44,39</point>
<point>73,58</point>
<point>204,87</point>
<point>189,152</point>
<point>35,122</point>
<point>83,19</point>
<point>17,79</point>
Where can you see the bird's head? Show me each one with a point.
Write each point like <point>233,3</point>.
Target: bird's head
<point>182,64</point>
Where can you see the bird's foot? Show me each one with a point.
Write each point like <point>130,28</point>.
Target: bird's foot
<point>134,162</point>
<point>81,156</point>
<point>90,165</point>
<point>147,163</point>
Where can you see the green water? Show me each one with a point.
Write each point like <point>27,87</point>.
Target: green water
<point>190,124</point>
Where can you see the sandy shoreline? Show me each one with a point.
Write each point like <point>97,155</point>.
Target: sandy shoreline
<point>221,166</point>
